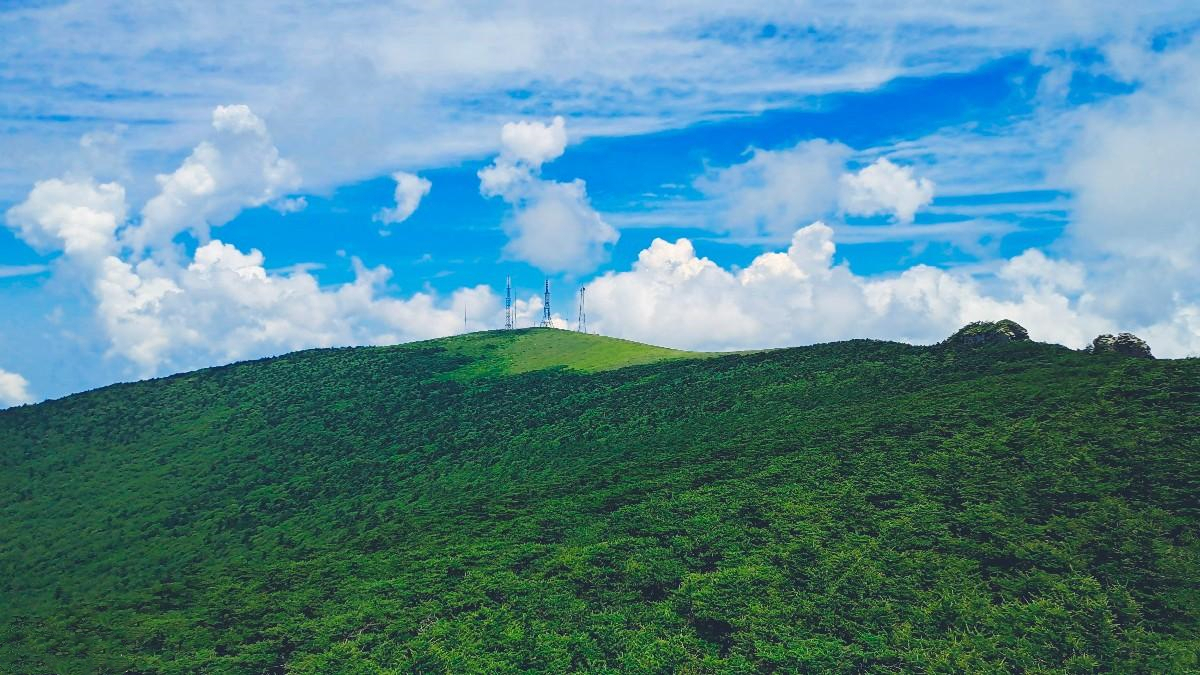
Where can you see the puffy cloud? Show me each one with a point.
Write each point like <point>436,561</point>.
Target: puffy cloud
<point>79,217</point>
<point>524,147</point>
<point>168,311</point>
<point>238,167</point>
<point>801,295</point>
<point>224,305</point>
<point>410,188</point>
<point>775,191</point>
<point>534,143</point>
<point>884,188</point>
<point>553,225</point>
<point>14,389</point>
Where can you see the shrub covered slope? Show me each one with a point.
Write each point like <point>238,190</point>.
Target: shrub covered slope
<point>457,506</point>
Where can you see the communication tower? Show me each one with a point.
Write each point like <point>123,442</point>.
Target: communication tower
<point>547,322</point>
<point>508,313</point>
<point>581,325</point>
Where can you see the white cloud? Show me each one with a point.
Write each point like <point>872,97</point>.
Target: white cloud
<point>433,79</point>
<point>238,167</point>
<point>553,225</point>
<point>224,305</point>
<point>554,228</point>
<point>168,311</point>
<point>524,147</point>
<point>410,188</point>
<point>884,188</point>
<point>78,217</point>
<point>534,143</point>
<point>776,191</point>
<point>1135,169</point>
<point>289,205</point>
<point>9,271</point>
<point>673,297</point>
<point>14,389</point>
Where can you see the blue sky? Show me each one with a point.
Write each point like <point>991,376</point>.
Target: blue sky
<point>194,192</point>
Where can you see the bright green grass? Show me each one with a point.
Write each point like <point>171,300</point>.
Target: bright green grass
<point>527,350</point>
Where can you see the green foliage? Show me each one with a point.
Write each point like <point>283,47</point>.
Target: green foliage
<point>463,506</point>
<point>989,332</point>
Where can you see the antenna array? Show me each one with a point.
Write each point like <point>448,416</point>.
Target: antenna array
<point>547,322</point>
<point>508,313</point>
<point>581,325</point>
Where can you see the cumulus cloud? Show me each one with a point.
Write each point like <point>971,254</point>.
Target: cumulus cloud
<point>534,143</point>
<point>802,295</point>
<point>776,191</point>
<point>224,305</point>
<point>410,188</point>
<point>14,389</point>
<point>524,147</point>
<point>170,311</point>
<point>78,217</point>
<point>238,167</point>
<point>884,188</point>
<point>553,225</point>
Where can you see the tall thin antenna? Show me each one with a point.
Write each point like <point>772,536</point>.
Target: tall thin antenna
<point>508,313</point>
<point>581,326</point>
<point>547,322</point>
<point>464,317</point>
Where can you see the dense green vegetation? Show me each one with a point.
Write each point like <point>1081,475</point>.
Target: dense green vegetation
<point>853,507</point>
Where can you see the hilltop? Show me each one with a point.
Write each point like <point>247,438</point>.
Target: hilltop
<point>500,352</point>
<point>541,500</point>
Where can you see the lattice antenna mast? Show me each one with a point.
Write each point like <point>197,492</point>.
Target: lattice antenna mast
<point>581,326</point>
<point>547,322</point>
<point>508,313</point>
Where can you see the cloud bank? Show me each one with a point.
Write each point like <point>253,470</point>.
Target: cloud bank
<point>801,295</point>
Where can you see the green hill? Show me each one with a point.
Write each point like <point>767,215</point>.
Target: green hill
<point>545,501</point>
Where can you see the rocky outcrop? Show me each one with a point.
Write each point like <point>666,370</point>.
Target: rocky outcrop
<point>1125,344</point>
<point>989,333</point>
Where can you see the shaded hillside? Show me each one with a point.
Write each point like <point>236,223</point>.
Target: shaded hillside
<point>462,506</point>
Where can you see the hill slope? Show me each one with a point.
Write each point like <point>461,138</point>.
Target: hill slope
<point>457,506</point>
